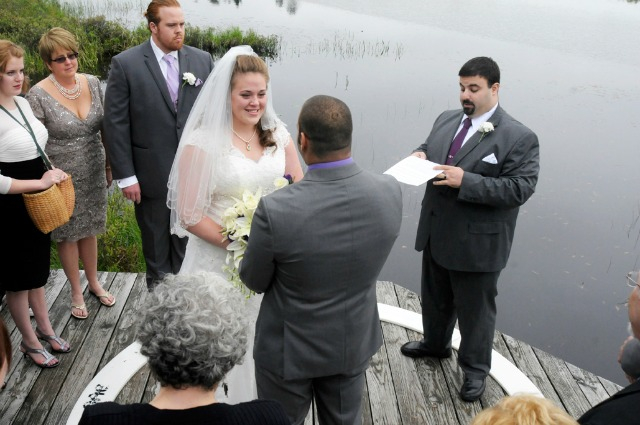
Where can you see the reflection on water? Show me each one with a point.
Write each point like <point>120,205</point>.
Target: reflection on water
<point>290,5</point>
<point>567,73</point>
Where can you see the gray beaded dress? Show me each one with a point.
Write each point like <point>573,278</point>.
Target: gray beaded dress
<point>75,146</point>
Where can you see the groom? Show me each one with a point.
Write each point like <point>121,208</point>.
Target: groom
<point>316,249</point>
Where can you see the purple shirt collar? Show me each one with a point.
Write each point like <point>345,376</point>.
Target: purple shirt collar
<point>332,164</point>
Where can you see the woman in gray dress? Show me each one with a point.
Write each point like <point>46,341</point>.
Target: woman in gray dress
<point>70,105</point>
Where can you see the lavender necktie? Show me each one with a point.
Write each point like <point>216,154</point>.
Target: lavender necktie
<point>457,141</point>
<point>172,78</point>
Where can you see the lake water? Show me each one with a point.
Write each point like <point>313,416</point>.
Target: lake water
<point>569,72</point>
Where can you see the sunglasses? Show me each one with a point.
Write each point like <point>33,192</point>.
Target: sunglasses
<point>63,59</point>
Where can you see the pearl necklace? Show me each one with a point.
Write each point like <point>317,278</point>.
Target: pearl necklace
<point>70,94</point>
<point>255,129</point>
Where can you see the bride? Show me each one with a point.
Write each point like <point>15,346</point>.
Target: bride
<point>232,141</point>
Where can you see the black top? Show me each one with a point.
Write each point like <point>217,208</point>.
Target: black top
<point>253,412</point>
<point>622,408</point>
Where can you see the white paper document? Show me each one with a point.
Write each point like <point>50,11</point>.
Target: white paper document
<point>413,170</point>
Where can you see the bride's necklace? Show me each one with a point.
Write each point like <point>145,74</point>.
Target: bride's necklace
<point>255,129</point>
<point>70,94</point>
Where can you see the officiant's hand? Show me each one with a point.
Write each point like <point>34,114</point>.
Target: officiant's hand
<point>420,155</point>
<point>450,176</point>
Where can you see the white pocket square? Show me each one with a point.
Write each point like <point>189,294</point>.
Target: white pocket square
<point>491,159</point>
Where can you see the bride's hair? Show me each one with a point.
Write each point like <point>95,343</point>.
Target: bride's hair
<point>245,64</point>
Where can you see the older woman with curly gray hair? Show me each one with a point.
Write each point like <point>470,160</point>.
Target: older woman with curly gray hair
<point>192,333</point>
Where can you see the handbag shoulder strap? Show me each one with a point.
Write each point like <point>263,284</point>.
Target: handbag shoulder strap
<point>43,155</point>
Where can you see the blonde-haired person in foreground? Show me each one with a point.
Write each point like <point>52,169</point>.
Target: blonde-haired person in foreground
<point>523,409</point>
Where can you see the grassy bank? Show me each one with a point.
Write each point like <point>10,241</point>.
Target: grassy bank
<point>24,21</point>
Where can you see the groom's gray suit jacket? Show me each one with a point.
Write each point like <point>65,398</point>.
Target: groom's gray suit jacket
<point>316,249</point>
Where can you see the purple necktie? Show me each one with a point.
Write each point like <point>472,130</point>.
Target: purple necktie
<point>457,141</point>
<point>172,79</point>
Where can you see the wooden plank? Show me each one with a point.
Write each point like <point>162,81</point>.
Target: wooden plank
<point>409,395</point>
<point>526,360</point>
<point>382,399</point>
<point>574,401</point>
<point>430,372</point>
<point>610,387</point>
<point>54,396</point>
<point>591,387</point>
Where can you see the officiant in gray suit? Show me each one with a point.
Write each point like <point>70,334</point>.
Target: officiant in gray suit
<point>468,218</point>
<point>147,103</point>
<point>315,250</point>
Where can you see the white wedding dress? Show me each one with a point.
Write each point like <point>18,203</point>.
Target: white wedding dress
<point>235,174</point>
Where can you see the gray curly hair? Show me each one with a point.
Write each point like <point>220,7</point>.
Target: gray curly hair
<point>194,330</point>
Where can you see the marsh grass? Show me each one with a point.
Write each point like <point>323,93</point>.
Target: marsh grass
<point>344,46</point>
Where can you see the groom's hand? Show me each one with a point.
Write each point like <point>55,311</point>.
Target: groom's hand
<point>420,155</point>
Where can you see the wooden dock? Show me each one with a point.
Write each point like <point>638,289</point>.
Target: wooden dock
<point>399,390</point>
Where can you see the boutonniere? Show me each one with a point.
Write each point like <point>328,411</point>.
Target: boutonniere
<point>189,78</point>
<point>485,127</point>
<point>283,181</point>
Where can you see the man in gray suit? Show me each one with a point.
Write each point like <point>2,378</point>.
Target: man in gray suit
<point>146,107</point>
<point>468,220</point>
<point>316,249</point>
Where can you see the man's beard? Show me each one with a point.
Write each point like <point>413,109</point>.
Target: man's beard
<point>468,108</point>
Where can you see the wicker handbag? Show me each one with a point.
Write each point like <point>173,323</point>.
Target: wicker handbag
<point>52,207</point>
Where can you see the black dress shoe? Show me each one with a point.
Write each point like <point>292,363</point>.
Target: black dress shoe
<point>417,349</point>
<point>472,389</point>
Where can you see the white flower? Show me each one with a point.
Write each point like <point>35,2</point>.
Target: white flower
<point>280,182</point>
<point>250,201</point>
<point>188,78</point>
<point>236,226</point>
<point>486,127</point>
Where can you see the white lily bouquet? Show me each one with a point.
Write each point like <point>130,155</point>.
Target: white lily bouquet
<point>236,226</point>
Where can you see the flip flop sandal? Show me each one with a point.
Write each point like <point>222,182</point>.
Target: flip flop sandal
<point>79,307</point>
<point>103,298</point>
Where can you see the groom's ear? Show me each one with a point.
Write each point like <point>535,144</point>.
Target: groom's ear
<point>303,142</point>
